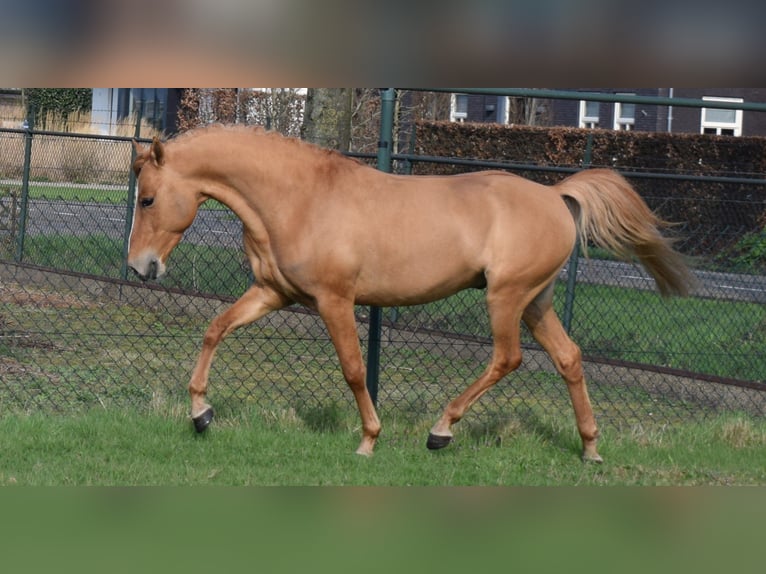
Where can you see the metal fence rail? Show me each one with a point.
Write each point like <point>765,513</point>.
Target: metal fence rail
<point>76,331</point>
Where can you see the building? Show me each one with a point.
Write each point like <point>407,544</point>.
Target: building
<point>158,106</point>
<point>617,116</point>
<point>614,116</point>
<point>721,122</point>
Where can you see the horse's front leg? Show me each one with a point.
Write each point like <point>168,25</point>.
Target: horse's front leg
<point>338,315</point>
<point>254,304</point>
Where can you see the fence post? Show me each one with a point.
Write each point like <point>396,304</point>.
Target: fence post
<point>24,206</point>
<point>406,170</point>
<point>575,257</point>
<point>387,97</point>
<point>131,205</point>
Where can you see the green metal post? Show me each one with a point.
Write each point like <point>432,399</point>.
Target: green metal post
<point>575,257</point>
<point>24,206</point>
<point>131,201</point>
<point>385,145</point>
<point>394,311</point>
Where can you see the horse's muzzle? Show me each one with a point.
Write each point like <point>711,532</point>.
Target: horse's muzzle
<point>148,270</point>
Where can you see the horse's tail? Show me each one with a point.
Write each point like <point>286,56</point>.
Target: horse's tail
<point>609,212</point>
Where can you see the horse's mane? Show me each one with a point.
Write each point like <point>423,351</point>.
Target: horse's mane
<point>261,132</point>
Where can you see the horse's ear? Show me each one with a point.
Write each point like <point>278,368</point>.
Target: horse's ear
<point>140,160</point>
<point>158,151</point>
<point>141,156</point>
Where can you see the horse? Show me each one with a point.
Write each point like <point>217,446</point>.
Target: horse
<point>328,232</point>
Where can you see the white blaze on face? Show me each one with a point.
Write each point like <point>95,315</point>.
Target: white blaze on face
<point>143,262</point>
<point>135,209</point>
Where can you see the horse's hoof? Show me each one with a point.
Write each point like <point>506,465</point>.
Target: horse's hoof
<point>436,442</point>
<point>202,421</point>
<point>592,458</point>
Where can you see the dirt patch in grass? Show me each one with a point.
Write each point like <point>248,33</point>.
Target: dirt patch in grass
<point>10,369</point>
<point>24,296</point>
<point>10,366</point>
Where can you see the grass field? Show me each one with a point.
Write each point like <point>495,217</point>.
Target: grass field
<point>701,335</point>
<point>59,348</point>
<point>284,414</point>
<point>81,192</point>
<point>116,195</point>
<point>280,448</point>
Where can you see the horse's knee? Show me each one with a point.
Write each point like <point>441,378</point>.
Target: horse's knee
<point>354,374</point>
<point>506,363</point>
<point>213,334</point>
<point>569,364</point>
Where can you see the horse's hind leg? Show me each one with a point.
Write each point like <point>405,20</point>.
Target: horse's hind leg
<point>254,304</point>
<point>505,317</point>
<point>548,331</point>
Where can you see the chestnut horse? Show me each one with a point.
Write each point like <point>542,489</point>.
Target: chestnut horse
<point>328,232</point>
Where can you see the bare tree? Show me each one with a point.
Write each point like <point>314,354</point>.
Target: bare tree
<point>340,118</point>
<point>411,107</point>
<point>529,111</point>
<point>365,120</point>
<point>280,109</point>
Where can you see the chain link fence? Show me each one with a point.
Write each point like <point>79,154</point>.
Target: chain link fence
<point>77,331</point>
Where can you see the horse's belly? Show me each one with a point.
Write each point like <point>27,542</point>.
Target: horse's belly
<point>417,282</point>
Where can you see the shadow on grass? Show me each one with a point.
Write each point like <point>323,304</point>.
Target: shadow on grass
<point>496,429</point>
<point>323,418</point>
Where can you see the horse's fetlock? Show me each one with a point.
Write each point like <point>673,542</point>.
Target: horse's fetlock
<point>372,431</point>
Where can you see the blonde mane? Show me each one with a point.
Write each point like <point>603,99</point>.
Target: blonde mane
<point>274,137</point>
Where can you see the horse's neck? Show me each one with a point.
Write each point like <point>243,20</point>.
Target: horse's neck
<point>239,169</point>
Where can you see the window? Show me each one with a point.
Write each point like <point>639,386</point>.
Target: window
<point>496,109</point>
<point>459,108</point>
<point>624,115</point>
<point>589,114</point>
<point>721,122</point>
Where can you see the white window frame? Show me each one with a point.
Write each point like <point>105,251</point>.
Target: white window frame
<point>590,122</point>
<point>454,115</point>
<point>624,124</point>
<point>735,126</point>
<point>505,104</point>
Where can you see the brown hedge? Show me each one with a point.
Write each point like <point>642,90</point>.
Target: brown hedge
<point>714,216</point>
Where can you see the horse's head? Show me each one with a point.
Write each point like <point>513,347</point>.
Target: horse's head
<point>165,207</point>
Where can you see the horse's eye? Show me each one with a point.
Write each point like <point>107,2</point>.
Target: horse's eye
<point>147,201</point>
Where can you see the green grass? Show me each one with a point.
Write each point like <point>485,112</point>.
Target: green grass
<point>118,374</point>
<point>708,336</point>
<point>92,254</point>
<point>116,195</point>
<point>724,338</point>
<point>122,447</point>
<point>77,193</point>
<point>72,352</point>
<point>61,352</point>
<point>200,268</point>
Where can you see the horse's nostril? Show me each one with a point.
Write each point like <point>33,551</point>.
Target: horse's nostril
<point>137,272</point>
<point>151,272</point>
